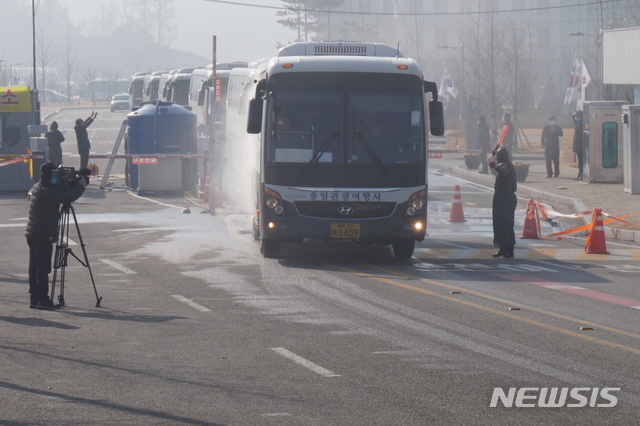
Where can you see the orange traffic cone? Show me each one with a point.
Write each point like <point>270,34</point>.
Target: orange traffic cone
<point>456,215</point>
<point>531,228</point>
<point>596,243</point>
<point>207,182</point>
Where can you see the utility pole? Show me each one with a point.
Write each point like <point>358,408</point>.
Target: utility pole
<point>33,28</point>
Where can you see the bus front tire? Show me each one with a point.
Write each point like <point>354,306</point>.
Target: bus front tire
<point>270,249</point>
<point>403,249</point>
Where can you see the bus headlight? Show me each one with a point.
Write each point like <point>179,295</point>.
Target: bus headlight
<point>416,203</point>
<point>273,202</point>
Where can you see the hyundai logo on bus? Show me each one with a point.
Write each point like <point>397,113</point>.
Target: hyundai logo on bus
<point>345,210</point>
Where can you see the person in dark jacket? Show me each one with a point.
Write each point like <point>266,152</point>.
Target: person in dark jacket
<point>83,138</point>
<point>504,203</point>
<point>42,231</point>
<point>483,142</point>
<point>550,140</point>
<point>54,139</point>
<point>577,142</point>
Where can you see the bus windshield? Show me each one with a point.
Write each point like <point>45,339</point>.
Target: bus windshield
<point>370,124</point>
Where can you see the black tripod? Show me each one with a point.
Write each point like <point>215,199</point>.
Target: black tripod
<point>63,251</point>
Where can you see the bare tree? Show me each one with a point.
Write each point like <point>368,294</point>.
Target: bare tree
<point>46,59</point>
<point>109,16</point>
<point>519,66</point>
<point>485,37</point>
<point>69,65</point>
<point>413,32</point>
<point>90,75</point>
<point>297,17</point>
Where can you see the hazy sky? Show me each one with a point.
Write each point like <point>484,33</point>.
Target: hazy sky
<point>243,33</point>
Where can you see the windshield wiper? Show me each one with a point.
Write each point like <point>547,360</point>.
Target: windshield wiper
<point>325,146</point>
<point>374,157</point>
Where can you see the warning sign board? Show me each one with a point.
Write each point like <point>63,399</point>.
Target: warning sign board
<point>15,99</point>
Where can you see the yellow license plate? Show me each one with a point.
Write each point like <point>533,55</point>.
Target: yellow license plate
<point>345,230</point>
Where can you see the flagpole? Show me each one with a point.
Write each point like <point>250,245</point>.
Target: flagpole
<point>462,111</point>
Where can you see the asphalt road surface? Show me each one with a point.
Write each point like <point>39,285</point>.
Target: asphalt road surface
<point>195,327</point>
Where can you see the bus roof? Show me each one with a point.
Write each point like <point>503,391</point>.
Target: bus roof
<point>369,64</point>
<point>339,48</point>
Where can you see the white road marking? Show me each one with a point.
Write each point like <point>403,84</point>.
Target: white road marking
<point>305,362</point>
<point>191,303</point>
<point>118,266</point>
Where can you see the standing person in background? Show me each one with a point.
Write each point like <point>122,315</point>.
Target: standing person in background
<point>550,140</point>
<point>509,138</point>
<point>83,138</point>
<point>54,139</point>
<point>577,142</point>
<point>483,142</point>
<point>504,203</point>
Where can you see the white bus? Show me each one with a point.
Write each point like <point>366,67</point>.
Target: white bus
<point>136,89</point>
<point>178,87</point>
<point>343,146</point>
<point>151,84</point>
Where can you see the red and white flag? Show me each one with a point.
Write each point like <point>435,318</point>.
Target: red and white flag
<point>575,83</point>
<point>447,85</point>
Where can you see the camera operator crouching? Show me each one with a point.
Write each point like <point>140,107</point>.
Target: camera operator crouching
<point>56,187</point>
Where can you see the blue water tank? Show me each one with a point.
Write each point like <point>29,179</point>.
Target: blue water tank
<point>160,128</point>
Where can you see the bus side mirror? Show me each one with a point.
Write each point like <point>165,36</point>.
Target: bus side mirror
<point>436,112</point>
<point>436,118</point>
<point>201,94</point>
<point>254,119</point>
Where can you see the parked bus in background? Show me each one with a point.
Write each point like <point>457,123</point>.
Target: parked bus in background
<point>343,146</point>
<point>151,83</point>
<point>136,89</point>
<point>178,87</point>
<point>200,98</point>
<point>223,70</point>
<point>241,147</point>
<point>163,85</point>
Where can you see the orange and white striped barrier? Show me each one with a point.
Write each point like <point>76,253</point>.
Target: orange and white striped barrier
<point>6,160</point>
<point>547,211</point>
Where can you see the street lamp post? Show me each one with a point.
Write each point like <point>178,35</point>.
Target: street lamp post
<point>462,115</point>
<point>33,29</point>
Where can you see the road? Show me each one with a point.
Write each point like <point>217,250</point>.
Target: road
<point>195,327</point>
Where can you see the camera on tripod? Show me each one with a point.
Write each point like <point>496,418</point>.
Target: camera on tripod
<point>68,177</point>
